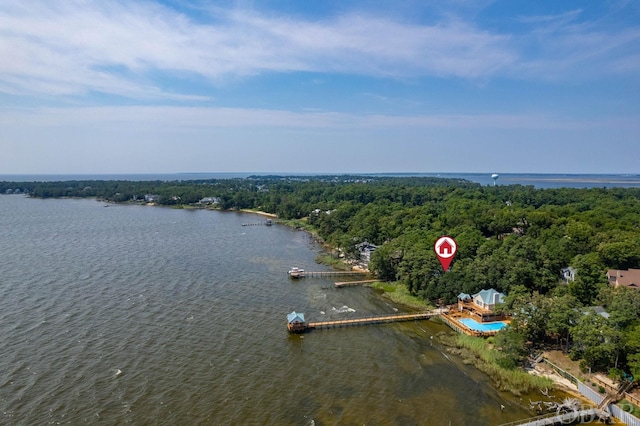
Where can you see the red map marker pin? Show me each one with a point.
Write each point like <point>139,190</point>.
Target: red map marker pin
<point>445,248</point>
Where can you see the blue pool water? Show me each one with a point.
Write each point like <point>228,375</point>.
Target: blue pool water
<point>483,326</point>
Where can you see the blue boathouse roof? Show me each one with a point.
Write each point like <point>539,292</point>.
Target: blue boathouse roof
<point>464,296</point>
<point>295,317</point>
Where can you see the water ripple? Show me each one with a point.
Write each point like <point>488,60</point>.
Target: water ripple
<point>148,315</point>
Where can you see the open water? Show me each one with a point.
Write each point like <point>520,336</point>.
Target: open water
<point>113,314</point>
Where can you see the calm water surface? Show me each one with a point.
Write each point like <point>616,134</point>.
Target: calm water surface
<point>142,315</point>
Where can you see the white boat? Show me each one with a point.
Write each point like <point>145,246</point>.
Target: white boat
<point>296,273</point>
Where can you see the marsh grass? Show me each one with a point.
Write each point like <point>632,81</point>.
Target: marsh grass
<point>334,262</point>
<point>301,224</point>
<point>478,352</point>
<point>398,293</point>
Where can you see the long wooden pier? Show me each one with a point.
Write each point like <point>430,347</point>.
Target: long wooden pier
<point>353,283</point>
<point>582,416</point>
<point>332,273</point>
<point>267,222</point>
<point>372,320</point>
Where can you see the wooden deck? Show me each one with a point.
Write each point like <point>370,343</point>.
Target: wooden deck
<point>452,321</point>
<point>372,320</point>
<point>332,273</point>
<point>353,283</point>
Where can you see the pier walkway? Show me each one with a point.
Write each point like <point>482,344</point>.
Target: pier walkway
<point>332,273</point>
<point>372,320</point>
<point>267,222</point>
<point>582,416</point>
<point>353,283</point>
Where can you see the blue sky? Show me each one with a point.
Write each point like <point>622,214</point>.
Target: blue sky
<point>319,86</point>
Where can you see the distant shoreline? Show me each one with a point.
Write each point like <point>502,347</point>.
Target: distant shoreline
<point>537,180</point>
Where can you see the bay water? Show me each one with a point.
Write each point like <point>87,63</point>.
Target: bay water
<point>122,314</point>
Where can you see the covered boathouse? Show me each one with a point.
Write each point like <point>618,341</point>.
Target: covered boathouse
<point>296,323</point>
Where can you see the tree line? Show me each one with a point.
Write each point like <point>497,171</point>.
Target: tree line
<point>513,238</point>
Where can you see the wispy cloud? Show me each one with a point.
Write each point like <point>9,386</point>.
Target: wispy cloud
<point>568,46</point>
<point>73,47</point>
<point>130,49</point>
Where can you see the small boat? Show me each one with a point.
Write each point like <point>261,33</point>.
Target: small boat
<point>296,273</point>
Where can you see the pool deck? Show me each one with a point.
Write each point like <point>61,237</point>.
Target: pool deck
<point>453,317</point>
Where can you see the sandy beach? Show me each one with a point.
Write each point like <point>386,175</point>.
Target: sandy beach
<point>261,213</point>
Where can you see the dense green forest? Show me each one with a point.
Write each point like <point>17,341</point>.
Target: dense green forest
<point>514,238</point>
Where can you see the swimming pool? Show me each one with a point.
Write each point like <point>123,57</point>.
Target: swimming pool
<point>483,326</point>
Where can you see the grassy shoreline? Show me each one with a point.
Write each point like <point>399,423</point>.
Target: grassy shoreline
<point>336,263</point>
<point>398,293</point>
<point>477,351</point>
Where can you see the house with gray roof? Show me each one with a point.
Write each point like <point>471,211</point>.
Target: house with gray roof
<point>366,248</point>
<point>481,304</point>
<point>488,299</point>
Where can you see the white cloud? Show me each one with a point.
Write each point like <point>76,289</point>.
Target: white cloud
<point>67,47</point>
<point>73,47</point>
<point>563,47</point>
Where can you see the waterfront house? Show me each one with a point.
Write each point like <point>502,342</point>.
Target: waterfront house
<point>629,278</point>
<point>568,274</point>
<point>295,322</point>
<point>482,304</point>
<point>488,299</point>
<point>366,248</point>
<point>209,200</point>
